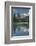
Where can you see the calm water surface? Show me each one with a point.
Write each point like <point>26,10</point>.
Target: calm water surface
<point>21,31</point>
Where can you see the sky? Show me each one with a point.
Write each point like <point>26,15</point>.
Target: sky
<point>20,10</point>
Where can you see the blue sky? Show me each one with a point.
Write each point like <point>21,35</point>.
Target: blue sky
<point>20,10</point>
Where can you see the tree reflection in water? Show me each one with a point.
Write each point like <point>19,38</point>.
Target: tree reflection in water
<point>20,30</point>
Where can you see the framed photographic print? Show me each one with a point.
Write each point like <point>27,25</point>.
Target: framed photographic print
<point>19,22</point>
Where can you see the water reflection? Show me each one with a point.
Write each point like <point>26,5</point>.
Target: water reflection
<point>20,30</point>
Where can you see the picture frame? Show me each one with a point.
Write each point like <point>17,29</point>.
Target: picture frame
<point>19,22</point>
